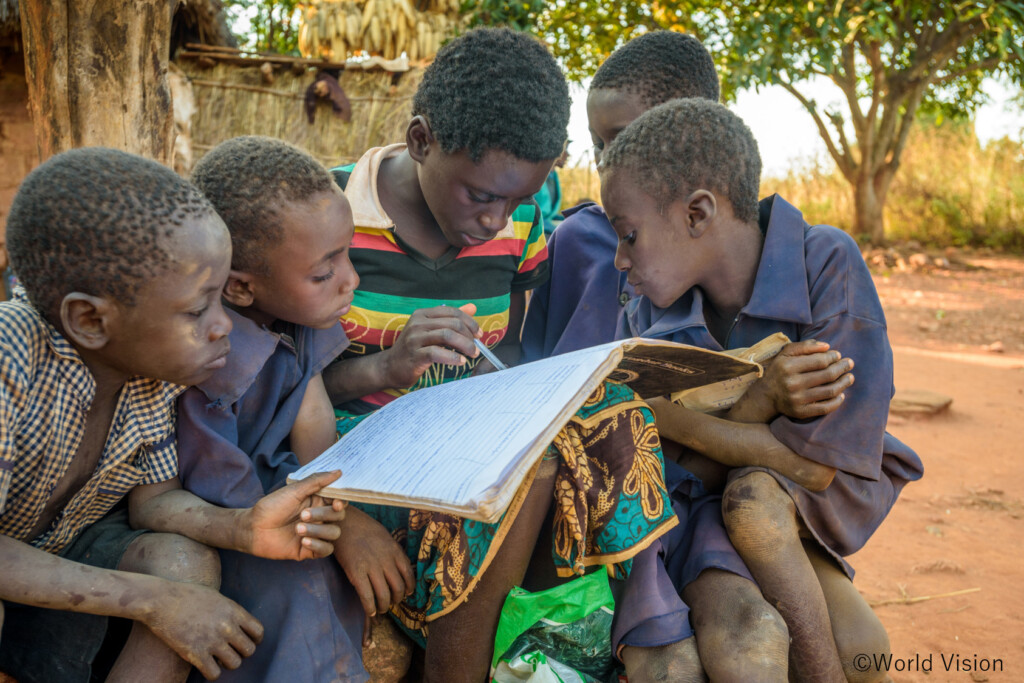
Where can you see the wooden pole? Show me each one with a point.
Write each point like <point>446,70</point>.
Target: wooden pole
<point>97,75</point>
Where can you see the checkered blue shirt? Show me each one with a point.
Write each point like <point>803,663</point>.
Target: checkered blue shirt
<point>45,393</point>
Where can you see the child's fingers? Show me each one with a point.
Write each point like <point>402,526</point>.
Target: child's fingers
<point>367,630</point>
<point>803,368</point>
<point>396,581</point>
<point>804,347</point>
<point>448,338</point>
<point>323,513</point>
<point>207,666</point>
<point>382,591</point>
<point>461,316</point>
<point>315,548</point>
<point>228,658</point>
<point>364,589</point>
<point>820,408</point>
<point>308,487</point>
<point>405,567</point>
<point>326,532</point>
<point>822,400</point>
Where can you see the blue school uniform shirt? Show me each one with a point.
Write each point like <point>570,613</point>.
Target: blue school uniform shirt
<point>813,283</point>
<point>233,448</point>
<point>581,304</point>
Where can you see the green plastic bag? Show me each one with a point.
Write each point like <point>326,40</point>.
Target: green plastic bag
<point>561,635</point>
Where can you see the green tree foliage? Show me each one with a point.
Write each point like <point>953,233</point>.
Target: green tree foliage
<point>889,58</point>
<point>273,25</point>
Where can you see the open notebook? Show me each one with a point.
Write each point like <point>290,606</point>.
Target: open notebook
<point>465,447</point>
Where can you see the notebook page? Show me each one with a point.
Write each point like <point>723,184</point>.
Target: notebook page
<point>451,442</point>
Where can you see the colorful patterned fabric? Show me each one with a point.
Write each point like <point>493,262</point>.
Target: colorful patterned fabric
<point>610,503</point>
<point>395,280</point>
<point>45,394</point>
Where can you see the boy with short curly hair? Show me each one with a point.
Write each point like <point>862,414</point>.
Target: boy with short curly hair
<point>243,430</point>
<point>448,242</point>
<point>123,263</point>
<point>716,268</point>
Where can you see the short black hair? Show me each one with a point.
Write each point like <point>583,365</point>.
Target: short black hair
<point>690,144</point>
<point>96,220</point>
<point>660,66</point>
<point>247,179</point>
<point>495,89</point>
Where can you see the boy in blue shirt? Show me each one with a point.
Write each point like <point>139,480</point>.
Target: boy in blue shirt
<point>715,268</point>
<point>244,429</point>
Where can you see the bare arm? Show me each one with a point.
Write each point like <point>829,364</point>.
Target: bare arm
<point>737,444</point>
<point>290,523</point>
<point>195,621</point>
<point>313,431</point>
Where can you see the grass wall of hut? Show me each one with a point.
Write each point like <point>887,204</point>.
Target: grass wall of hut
<point>233,100</point>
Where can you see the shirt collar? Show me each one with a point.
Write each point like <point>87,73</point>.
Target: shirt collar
<point>361,189</point>
<point>251,348</point>
<point>72,367</point>
<point>780,288</point>
<point>644,319</point>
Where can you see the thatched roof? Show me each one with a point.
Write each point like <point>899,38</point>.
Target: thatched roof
<point>10,22</point>
<point>195,21</point>
<point>200,21</point>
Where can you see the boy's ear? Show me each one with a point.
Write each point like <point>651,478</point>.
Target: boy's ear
<point>418,137</point>
<point>701,211</point>
<point>87,319</point>
<point>240,289</point>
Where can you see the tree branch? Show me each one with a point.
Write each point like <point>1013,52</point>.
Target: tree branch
<point>983,65</point>
<point>892,157</point>
<point>844,160</point>
<point>849,88</point>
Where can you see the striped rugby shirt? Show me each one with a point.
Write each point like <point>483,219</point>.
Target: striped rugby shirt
<point>395,280</point>
<point>45,394</point>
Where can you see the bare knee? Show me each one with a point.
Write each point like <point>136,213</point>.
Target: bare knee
<point>759,515</point>
<point>173,557</point>
<point>863,646</point>
<point>741,637</point>
<point>674,663</point>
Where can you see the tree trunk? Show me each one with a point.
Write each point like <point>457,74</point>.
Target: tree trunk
<point>97,75</point>
<point>868,203</point>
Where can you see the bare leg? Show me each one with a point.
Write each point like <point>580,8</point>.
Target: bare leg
<point>145,657</point>
<point>855,626</point>
<point>459,644</point>
<point>674,663</point>
<point>762,523</point>
<point>740,636</point>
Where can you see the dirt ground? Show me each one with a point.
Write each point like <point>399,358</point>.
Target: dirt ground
<point>944,571</point>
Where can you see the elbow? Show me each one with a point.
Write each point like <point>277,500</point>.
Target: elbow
<point>817,477</point>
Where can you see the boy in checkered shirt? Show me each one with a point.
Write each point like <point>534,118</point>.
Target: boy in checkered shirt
<point>122,264</point>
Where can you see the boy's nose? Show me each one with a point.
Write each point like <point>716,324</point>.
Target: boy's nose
<point>349,279</point>
<point>496,220</point>
<point>221,324</point>
<point>621,262</point>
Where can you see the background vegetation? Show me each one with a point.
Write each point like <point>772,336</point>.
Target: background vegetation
<point>903,159</point>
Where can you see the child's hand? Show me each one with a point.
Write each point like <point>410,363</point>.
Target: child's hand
<point>205,628</point>
<point>293,523</point>
<point>432,335</point>
<point>804,380</point>
<point>375,564</point>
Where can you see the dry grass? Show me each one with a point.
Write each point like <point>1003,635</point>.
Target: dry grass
<point>949,191</point>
